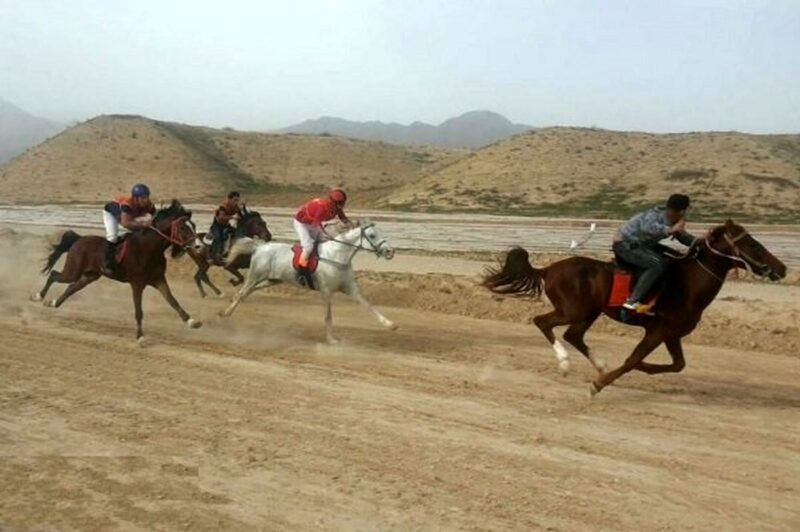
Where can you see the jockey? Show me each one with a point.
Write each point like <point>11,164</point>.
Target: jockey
<point>134,212</point>
<point>636,243</point>
<point>309,219</point>
<point>221,226</point>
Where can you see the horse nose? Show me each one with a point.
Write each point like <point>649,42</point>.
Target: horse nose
<point>389,253</point>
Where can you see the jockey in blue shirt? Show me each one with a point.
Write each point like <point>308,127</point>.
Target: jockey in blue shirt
<point>636,243</point>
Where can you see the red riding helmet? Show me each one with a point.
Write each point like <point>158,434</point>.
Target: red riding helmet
<point>338,196</point>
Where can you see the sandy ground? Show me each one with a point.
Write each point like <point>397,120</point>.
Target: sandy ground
<point>459,420</point>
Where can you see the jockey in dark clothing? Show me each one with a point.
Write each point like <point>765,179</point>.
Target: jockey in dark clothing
<point>636,243</point>
<point>221,226</point>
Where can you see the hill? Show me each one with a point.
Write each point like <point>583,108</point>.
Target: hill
<point>20,130</point>
<point>474,129</point>
<point>102,157</point>
<point>589,172</point>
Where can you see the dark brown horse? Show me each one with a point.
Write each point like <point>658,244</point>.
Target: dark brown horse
<point>579,289</point>
<point>252,225</point>
<point>143,265</point>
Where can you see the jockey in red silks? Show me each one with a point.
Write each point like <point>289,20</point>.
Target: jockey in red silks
<point>131,212</point>
<point>309,220</point>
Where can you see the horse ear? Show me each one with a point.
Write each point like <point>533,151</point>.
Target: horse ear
<point>244,208</point>
<point>729,224</point>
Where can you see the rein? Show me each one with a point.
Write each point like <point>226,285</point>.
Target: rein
<point>738,256</point>
<point>172,239</point>
<point>356,247</point>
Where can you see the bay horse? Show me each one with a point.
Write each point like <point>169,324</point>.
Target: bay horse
<point>252,225</point>
<point>579,289</point>
<point>143,264</point>
<point>271,263</point>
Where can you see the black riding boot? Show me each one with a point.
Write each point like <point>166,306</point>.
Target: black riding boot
<point>305,277</point>
<point>109,260</point>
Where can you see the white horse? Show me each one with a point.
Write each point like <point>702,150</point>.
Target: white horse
<point>271,263</point>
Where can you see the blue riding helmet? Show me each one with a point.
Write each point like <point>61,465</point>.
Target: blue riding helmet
<point>140,190</point>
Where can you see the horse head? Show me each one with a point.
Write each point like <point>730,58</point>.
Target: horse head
<point>731,240</point>
<point>375,239</point>
<point>174,223</point>
<point>252,225</point>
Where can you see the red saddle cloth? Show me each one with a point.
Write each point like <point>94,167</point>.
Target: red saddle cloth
<point>122,251</point>
<point>313,260</point>
<point>621,289</point>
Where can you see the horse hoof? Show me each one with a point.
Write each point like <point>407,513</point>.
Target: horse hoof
<point>223,313</point>
<point>36,297</point>
<point>392,326</point>
<point>141,341</point>
<point>563,367</point>
<point>194,324</point>
<point>600,365</point>
<point>332,340</point>
<point>593,390</point>
<point>50,303</point>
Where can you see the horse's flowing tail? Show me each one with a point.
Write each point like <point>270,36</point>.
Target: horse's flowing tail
<point>515,276</point>
<point>243,246</point>
<point>67,240</point>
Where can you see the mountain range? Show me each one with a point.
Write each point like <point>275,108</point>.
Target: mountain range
<point>20,130</point>
<point>474,129</point>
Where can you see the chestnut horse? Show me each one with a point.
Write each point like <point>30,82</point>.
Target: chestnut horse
<point>252,225</point>
<point>579,289</point>
<point>143,265</point>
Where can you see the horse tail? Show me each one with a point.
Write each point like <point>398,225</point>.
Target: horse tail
<point>67,240</point>
<point>243,246</point>
<point>515,276</point>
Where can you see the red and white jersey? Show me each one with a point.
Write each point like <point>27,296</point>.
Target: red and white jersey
<point>318,211</point>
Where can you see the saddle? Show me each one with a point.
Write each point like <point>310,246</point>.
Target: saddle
<point>121,248</point>
<point>625,277</point>
<point>305,275</point>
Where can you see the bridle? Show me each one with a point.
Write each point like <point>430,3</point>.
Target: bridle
<point>174,233</point>
<point>376,248</point>
<point>737,256</point>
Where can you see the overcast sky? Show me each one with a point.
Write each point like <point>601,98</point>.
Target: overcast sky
<point>638,64</point>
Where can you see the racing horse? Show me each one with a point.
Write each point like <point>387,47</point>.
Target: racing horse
<point>271,263</point>
<point>251,225</point>
<point>143,262</point>
<point>579,289</point>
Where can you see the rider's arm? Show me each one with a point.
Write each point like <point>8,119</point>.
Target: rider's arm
<point>687,239</point>
<point>222,217</point>
<point>343,217</point>
<point>129,222</point>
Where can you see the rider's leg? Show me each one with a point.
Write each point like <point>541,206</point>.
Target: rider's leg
<point>218,242</point>
<point>112,236</point>
<point>306,235</point>
<point>653,263</point>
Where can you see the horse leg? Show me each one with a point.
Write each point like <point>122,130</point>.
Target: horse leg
<point>239,278</point>
<point>243,292</point>
<point>546,322</point>
<point>163,287</point>
<point>326,299</point>
<point>574,335</point>
<point>198,280</point>
<point>651,340</point>
<point>356,296</point>
<point>52,277</point>
<point>676,352</point>
<point>85,279</point>
<point>138,313</point>
<point>211,285</point>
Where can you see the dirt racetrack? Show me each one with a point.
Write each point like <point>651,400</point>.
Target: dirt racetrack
<point>452,422</point>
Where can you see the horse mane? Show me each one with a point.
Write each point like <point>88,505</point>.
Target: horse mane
<point>173,210</point>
